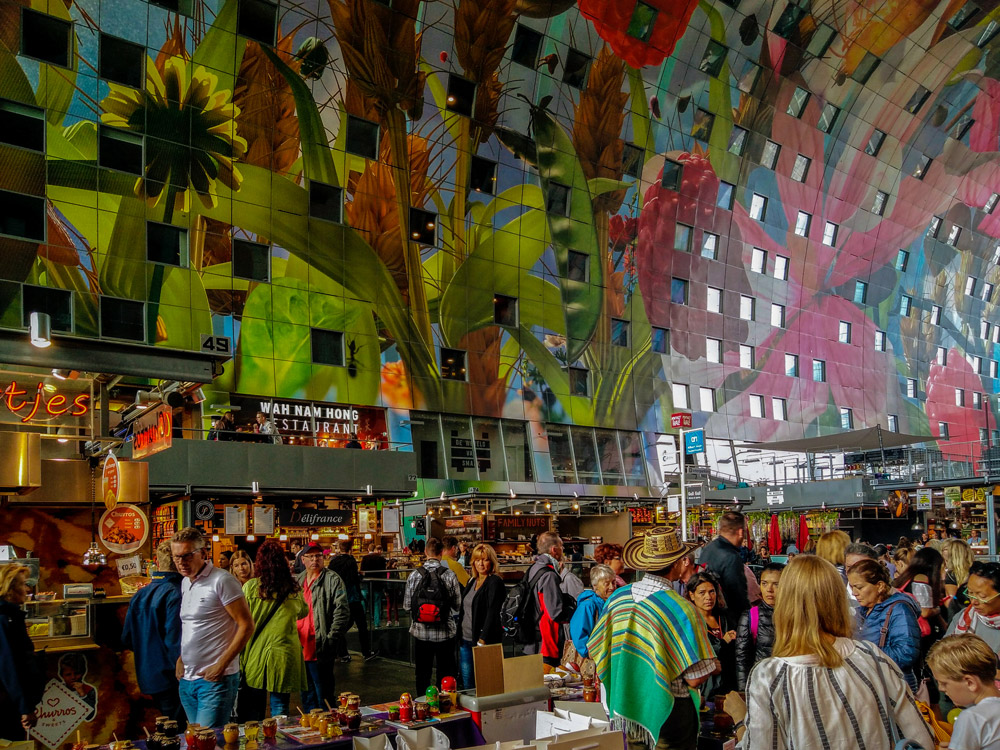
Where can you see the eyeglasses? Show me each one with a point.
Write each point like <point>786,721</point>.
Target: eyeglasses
<point>186,557</point>
<point>979,600</point>
<point>312,557</point>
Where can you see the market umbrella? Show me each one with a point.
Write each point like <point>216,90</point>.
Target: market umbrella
<point>774,536</point>
<point>803,534</point>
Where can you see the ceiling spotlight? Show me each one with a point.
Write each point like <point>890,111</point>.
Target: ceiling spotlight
<point>512,494</point>
<point>548,506</point>
<point>368,489</point>
<point>916,525</point>
<point>823,507</point>
<point>215,537</point>
<point>635,495</point>
<point>314,536</point>
<point>282,537</point>
<point>255,487</point>
<point>65,374</point>
<point>443,497</point>
<point>576,506</point>
<point>517,512</point>
<point>921,483</point>
<point>576,494</point>
<point>40,331</point>
<point>251,538</point>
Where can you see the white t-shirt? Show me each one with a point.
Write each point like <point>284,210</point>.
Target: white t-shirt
<point>978,727</point>
<point>206,627</point>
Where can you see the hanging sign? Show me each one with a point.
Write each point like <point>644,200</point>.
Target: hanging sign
<point>123,529</point>
<point>315,516</point>
<point>924,498</point>
<point>44,403</point>
<point>694,442</point>
<point>111,481</point>
<point>59,712</point>
<point>263,520</point>
<point>153,432</point>
<point>681,420</point>
<point>236,520</point>
<point>952,497</point>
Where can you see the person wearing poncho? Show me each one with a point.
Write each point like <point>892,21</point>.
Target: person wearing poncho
<point>651,648</point>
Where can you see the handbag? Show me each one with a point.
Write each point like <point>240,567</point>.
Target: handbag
<point>898,741</point>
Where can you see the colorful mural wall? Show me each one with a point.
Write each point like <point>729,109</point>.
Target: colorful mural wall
<point>779,216</point>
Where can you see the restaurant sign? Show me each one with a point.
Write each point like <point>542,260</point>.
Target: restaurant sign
<point>59,712</point>
<point>502,526</point>
<point>153,432</point>
<point>42,402</point>
<point>314,517</point>
<point>334,424</point>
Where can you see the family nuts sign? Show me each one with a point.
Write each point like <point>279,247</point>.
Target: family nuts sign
<point>153,432</point>
<point>124,529</point>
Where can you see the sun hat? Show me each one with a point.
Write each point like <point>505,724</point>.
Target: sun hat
<point>655,549</point>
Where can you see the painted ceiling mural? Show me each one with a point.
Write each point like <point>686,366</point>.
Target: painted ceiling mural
<point>779,216</point>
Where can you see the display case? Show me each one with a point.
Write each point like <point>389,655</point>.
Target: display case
<point>59,624</point>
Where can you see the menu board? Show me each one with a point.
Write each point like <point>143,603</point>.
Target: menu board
<point>263,520</point>
<point>236,520</point>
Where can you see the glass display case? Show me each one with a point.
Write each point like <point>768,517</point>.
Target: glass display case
<point>58,622</point>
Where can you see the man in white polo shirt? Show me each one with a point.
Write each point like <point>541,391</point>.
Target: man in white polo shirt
<point>215,626</point>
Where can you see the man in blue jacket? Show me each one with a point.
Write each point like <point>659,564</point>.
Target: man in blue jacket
<point>153,631</point>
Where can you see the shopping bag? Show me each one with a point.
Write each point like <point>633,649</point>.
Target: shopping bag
<point>428,738</point>
<point>378,742</point>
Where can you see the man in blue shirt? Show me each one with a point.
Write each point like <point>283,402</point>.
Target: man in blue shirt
<point>153,631</point>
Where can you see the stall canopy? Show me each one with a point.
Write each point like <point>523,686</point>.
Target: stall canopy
<point>853,440</point>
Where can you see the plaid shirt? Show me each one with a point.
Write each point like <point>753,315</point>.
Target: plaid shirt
<point>443,631</point>
<point>648,586</point>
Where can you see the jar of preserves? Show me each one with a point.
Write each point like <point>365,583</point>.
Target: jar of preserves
<point>353,720</point>
<point>231,733</point>
<point>269,727</point>
<point>251,730</point>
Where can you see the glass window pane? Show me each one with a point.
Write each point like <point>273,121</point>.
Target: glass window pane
<point>611,461</point>
<point>587,471</point>
<point>518,450</point>
<point>426,435</point>
<point>489,456</point>
<point>635,465</point>
<point>458,446</point>
<point>559,452</point>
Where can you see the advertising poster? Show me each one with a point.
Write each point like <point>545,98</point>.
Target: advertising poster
<point>124,529</point>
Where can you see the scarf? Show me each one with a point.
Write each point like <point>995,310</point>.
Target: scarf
<point>969,619</point>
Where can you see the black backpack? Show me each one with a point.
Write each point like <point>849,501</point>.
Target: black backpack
<point>429,602</point>
<point>518,613</point>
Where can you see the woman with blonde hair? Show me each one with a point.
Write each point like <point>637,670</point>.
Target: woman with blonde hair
<point>241,566</point>
<point>479,615</point>
<point>958,558</point>
<point>821,688</point>
<point>21,679</point>
<point>832,547</point>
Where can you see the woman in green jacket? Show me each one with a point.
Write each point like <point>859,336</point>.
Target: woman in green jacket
<point>272,661</point>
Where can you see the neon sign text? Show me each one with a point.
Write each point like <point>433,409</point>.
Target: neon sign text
<point>55,405</point>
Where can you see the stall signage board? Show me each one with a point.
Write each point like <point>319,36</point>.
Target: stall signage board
<point>952,497</point>
<point>694,442</point>
<point>129,566</point>
<point>263,520</point>
<point>153,432</point>
<point>124,529</point>
<point>681,420</point>
<point>695,493</point>
<point>924,498</point>
<point>520,524</point>
<point>335,423</point>
<point>313,517</point>
<point>111,481</point>
<point>776,496</point>
<point>236,520</point>
<point>40,402</point>
<point>59,712</point>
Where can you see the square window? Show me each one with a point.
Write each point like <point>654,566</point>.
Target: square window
<point>769,156</point>
<point>788,22</point>
<point>710,246</point>
<point>576,68</point>
<point>579,381</point>
<point>922,165</point>
<point>672,173</point>
<point>251,260</point>
<point>22,125</point>
<point>953,234</point>
<point>987,291</point>
<point>802,223</point>
<point>777,315</point>
<point>874,144</point>
<point>911,388</point>
<point>878,205</point>
<point>706,398</point>
<point>362,137</point>
<point>779,409</point>
<point>977,365</point>
<point>643,20</point>
<point>747,305</point>
<point>120,150</point>
<point>880,341</point>
<point>827,117</point>
<point>758,260</point>
<point>893,423</point>
<point>905,305</point>
<point>461,97</point>
<point>758,207</point>
<point>327,347</point>
<point>727,191</point>
<point>632,160</point>
<point>936,315</point>
<point>963,15</point>
<point>902,260</point>
<point>679,391</point>
<point>970,286</point>
<point>844,332</point>
<point>748,80</point>
<point>988,208</point>
<point>713,59</point>
<point>619,332</point>
<point>865,68</point>
<point>959,397</point>
<point>962,127</point>
<point>682,238</point>
<point>453,364</point>
<point>746,357</point>
<point>917,100</point>
<point>22,216</point>
<point>994,368</point>
<point>943,430</point>
<point>505,310</point>
<point>713,350</point>
<point>934,227</point>
<point>56,303</point>
<point>483,175</point>
<point>661,340</point>
<point>679,291</point>
<point>325,201</point>
<point>860,292</point>
<point>737,140</point>
<point>941,356</point>
<point>846,418</point>
<point>257,20</point>
<point>713,300</point>
<point>185,7</point>
<point>830,231</point>
<point>756,406</point>
<point>423,226</point>
<point>122,319</point>
<point>166,244</point>
<point>798,102</point>
<point>702,126</point>
<point>578,266</point>
<point>46,38</point>
<point>800,168</point>
<point>819,370</point>
<point>984,330</point>
<point>122,62</point>
<point>986,35</point>
<point>792,365</point>
<point>527,46</point>
<point>821,40</point>
<point>781,267</point>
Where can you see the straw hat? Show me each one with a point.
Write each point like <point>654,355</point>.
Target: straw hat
<point>656,549</point>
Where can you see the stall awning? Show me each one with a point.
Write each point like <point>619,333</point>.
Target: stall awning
<point>852,440</point>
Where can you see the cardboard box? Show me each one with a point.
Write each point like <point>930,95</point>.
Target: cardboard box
<point>496,675</point>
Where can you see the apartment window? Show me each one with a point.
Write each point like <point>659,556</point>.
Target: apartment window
<point>819,370</point>
<point>751,73</point>
<point>423,226</point>
<point>505,310</point>
<point>977,400</point>
<point>22,216</point>
<point>706,398</point>
<point>643,20</point>
<point>962,127</point>
<point>792,365</point>
<point>737,140</point>
<point>251,260</point>
<point>983,433</point>
<point>781,267</point>
<point>936,315</point>
<point>991,203</point>
<point>917,100</point>
<point>758,260</point>
<point>905,305</point>
<point>175,6</point>
<point>902,260</point>
<point>769,157</point>
<point>710,246</point>
<point>714,300</point>
<point>325,201</point>
<point>963,15</point>
<point>874,144</point>
<point>821,40</point>
<point>673,172</point>
<point>632,160</point>
<point>121,61</point>
<point>758,207</point>
<point>977,365</point>
<point>984,330</point>
<point>46,38</point>
<point>461,95</point>
<point>798,102</point>
<point>970,286</point>
<point>557,199</point>
<point>996,334</point>
<point>257,20</point>
<point>777,315</point>
<point>788,22</point>
<point>878,205</point>
<point>619,332</point>
<point>166,244</point>
<point>846,418</point>
<point>713,59</point>
<point>22,125</point>
<point>934,227</point>
<point>844,332</point>
<point>865,68</point>
<point>830,231</point>
<point>986,35</point>
<point>122,319</point>
<point>746,357</point>
<point>827,117</point>
<point>453,365</point>
<point>880,341</point>
<point>704,121</point>
<point>576,68</point>
<point>779,409</point>
<point>893,423</point>
<point>724,199</point>
<point>526,47</point>
<point>987,291</point>
<point>327,347</point>
<point>959,397</point>
<point>682,238</point>
<point>802,223</point>
<point>911,387</point>
<point>579,381</point>
<point>747,305</point>
<point>953,234</point>
<point>679,391</point>
<point>860,292</point>
<point>756,406</point>
<point>483,175</point>
<point>943,431</point>
<point>713,350</point>
<point>800,168</point>
<point>56,303</point>
<point>578,266</point>
<point>661,340</point>
<point>996,255</point>
<point>679,291</point>
<point>363,137</point>
<point>119,150</point>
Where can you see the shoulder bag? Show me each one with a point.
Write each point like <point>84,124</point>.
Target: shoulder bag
<point>898,741</point>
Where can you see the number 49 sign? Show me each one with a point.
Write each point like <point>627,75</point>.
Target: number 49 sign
<point>216,344</point>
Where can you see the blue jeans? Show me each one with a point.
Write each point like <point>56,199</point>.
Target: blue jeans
<point>209,703</point>
<point>319,675</point>
<point>465,665</point>
<point>281,704</point>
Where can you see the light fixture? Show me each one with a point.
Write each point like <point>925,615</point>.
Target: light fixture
<point>576,494</point>
<point>512,494</point>
<point>215,537</point>
<point>94,557</point>
<point>251,538</point>
<point>343,537</point>
<point>576,506</point>
<point>955,525</point>
<point>40,330</point>
<point>635,495</point>
<point>548,506</point>
<point>517,512</point>
<point>916,525</point>
<point>65,374</point>
<point>482,512</point>
<point>282,537</point>
<point>823,506</point>
<point>921,483</point>
<point>255,487</point>
<point>368,489</point>
<point>314,536</point>
<point>444,497</point>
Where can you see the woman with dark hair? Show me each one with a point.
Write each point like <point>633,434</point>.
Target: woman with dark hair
<point>611,555</point>
<point>923,579</point>
<point>272,661</point>
<point>705,592</point>
<point>982,616</point>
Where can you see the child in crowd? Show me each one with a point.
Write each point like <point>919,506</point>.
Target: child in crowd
<point>755,632</point>
<point>965,668</point>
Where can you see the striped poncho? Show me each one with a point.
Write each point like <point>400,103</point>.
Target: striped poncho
<point>639,649</point>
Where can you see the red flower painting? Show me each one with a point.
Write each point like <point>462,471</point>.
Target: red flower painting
<point>641,33</point>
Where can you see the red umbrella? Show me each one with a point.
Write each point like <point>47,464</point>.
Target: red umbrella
<point>803,534</point>
<point>774,536</point>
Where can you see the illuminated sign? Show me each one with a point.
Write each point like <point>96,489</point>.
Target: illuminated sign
<point>111,481</point>
<point>43,402</point>
<point>153,432</point>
